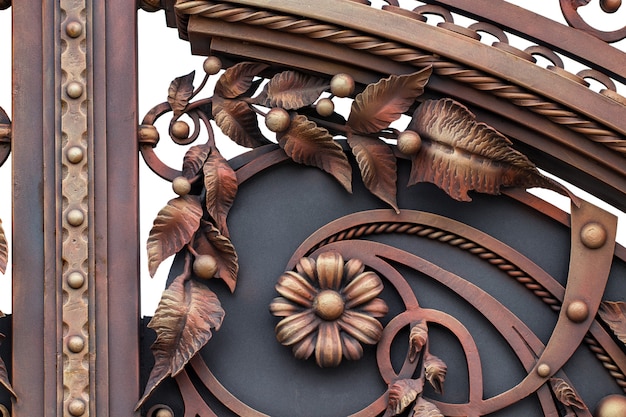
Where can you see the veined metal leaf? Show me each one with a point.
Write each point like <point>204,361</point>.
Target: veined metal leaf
<point>4,250</point>
<point>613,313</point>
<point>184,320</point>
<point>173,228</point>
<point>179,93</point>
<point>380,104</point>
<point>418,337</point>
<point>237,79</point>
<point>194,160</point>
<point>435,371</point>
<point>238,121</point>
<point>212,242</point>
<point>292,90</point>
<point>459,154</point>
<point>377,164</point>
<point>424,408</point>
<point>402,393</point>
<point>566,394</point>
<point>308,144</point>
<point>4,375</point>
<point>221,186</point>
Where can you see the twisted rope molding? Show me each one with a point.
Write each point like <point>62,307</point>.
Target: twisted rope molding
<point>400,53</point>
<point>494,259</point>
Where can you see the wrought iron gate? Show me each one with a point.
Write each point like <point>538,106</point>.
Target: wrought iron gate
<point>375,253</point>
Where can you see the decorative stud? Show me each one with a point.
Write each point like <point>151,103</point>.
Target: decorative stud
<point>611,406</point>
<point>74,29</point>
<point>74,89</point>
<point>75,280</point>
<point>610,6</point>
<point>544,370</point>
<point>75,217</point>
<point>163,412</point>
<point>75,344</point>
<point>77,407</point>
<point>75,154</point>
<point>577,311</point>
<point>593,235</point>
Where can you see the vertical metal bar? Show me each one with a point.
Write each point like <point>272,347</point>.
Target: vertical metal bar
<point>75,212</point>
<point>116,168</point>
<point>35,312</point>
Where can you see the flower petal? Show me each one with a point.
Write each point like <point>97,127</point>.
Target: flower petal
<point>353,268</point>
<point>294,328</point>
<point>282,307</point>
<point>304,348</point>
<point>363,288</point>
<point>329,270</point>
<point>306,268</point>
<point>362,327</point>
<point>328,349</point>
<point>296,288</point>
<point>352,349</point>
<point>375,308</point>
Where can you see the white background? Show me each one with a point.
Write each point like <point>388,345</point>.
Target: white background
<point>162,57</point>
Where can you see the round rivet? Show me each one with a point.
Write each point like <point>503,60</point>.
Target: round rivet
<point>75,280</point>
<point>74,89</point>
<point>74,29</point>
<point>613,405</point>
<point>75,217</point>
<point>75,344</point>
<point>75,154</point>
<point>593,235</point>
<point>577,311</point>
<point>610,6</point>
<point>164,412</point>
<point>544,370</point>
<point>77,407</point>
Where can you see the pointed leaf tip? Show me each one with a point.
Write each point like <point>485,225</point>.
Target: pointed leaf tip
<point>308,144</point>
<point>173,228</point>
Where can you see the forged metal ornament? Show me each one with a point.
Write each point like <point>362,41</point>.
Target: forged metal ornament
<point>329,308</point>
<point>5,147</point>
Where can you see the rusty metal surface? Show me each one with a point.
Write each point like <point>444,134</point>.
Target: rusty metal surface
<point>446,145</point>
<point>349,289</point>
<point>70,207</point>
<point>268,42</point>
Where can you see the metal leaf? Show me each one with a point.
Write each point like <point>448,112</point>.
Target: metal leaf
<point>425,408</point>
<point>173,228</point>
<point>179,93</point>
<point>4,250</point>
<point>378,167</point>
<point>194,160</point>
<point>308,144</point>
<point>380,104</point>
<point>402,393</point>
<point>613,313</point>
<point>221,186</point>
<point>183,322</point>
<point>435,372</point>
<point>292,90</point>
<point>459,154</point>
<point>237,79</point>
<point>417,339</point>
<point>566,394</point>
<point>238,121</point>
<point>212,242</point>
<point>4,375</point>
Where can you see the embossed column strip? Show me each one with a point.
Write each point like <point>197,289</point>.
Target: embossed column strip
<point>74,142</point>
